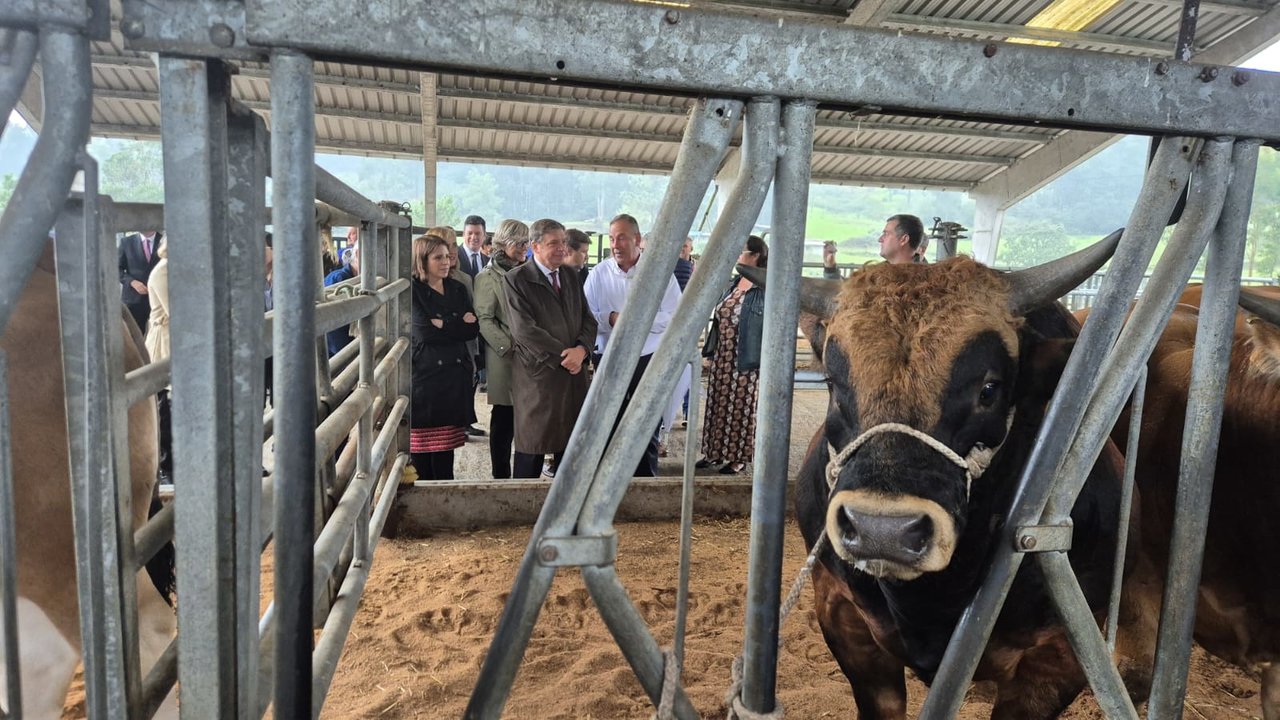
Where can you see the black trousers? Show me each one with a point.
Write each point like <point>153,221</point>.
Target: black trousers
<point>502,428</point>
<point>530,465</point>
<point>434,466</point>
<point>163,405</point>
<point>140,312</point>
<point>648,465</point>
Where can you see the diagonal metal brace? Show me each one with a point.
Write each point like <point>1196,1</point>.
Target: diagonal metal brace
<point>598,550</point>
<point>1043,538</point>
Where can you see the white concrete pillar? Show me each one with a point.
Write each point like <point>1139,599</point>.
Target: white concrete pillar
<point>725,181</point>
<point>988,217</point>
<point>427,86</point>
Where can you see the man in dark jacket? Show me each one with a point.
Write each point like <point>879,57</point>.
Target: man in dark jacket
<point>137,258</point>
<point>552,331</point>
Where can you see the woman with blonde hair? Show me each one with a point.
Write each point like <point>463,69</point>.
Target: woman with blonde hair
<point>443,322</point>
<point>509,245</point>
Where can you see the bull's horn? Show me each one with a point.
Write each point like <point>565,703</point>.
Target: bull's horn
<point>1040,285</point>
<point>816,296</point>
<point>1265,307</point>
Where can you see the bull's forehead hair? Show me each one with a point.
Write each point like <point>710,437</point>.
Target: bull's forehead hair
<point>902,327</point>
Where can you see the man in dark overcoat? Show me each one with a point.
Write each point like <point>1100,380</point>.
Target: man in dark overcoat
<point>552,332</point>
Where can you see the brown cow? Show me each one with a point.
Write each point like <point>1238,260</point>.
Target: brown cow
<point>49,622</point>
<point>1238,609</point>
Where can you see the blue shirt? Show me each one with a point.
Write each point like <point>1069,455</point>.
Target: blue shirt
<point>340,337</point>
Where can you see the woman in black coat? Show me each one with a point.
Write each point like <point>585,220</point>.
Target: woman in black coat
<point>443,322</point>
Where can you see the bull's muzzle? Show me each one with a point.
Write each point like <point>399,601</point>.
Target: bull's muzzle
<point>893,536</point>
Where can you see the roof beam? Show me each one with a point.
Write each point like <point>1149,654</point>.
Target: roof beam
<point>915,155</point>
<point>1221,7</point>
<point>870,13</point>
<point>888,181</point>
<point>936,130</point>
<point>1022,32</point>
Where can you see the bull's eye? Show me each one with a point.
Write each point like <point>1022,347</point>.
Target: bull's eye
<point>989,392</point>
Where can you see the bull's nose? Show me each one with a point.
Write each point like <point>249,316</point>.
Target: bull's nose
<point>897,538</point>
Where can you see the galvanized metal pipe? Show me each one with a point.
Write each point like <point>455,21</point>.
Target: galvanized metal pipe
<point>46,178</point>
<point>160,680</point>
<point>692,443</point>
<point>371,251</point>
<point>152,536</point>
<point>630,631</point>
<point>337,426</point>
<point>333,191</point>
<point>338,625</point>
<point>1086,640</point>
<point>1215,334</point>
<point>144,382</point>
<point>1126,505</point>
<point>1164,181</point>
<point>705,288</point>
<point>8,555</point>
<point>1146,322</point>
<point>338,313</point>
<point>20,45</point>
<point>293,219</point>
<point>773,436</point>
<point>707,135</point>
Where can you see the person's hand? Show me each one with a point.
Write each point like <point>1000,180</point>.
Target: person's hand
<point>138,286</point>
<point>829,254</point>
<point>571,359</point>
<point>438,323</point>
<point>469,318</point>
<point>613,319</point>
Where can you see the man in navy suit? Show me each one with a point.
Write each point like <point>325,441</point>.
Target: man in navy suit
<point>470,260</point>
<point>137,258</point>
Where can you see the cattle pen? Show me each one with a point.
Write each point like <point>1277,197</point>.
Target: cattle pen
<point>763,80</point>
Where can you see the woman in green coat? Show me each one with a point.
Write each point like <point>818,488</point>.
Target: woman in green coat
<point>510,242</point>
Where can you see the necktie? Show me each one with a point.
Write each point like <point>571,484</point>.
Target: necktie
<point>146,248</point>
<point>475,262</point>
<point>555,280</point>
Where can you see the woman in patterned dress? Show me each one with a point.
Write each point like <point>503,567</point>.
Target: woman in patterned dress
<point>443,322</point>
<point>733,369</point>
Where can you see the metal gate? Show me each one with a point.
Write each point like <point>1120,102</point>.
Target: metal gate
<point>216,159</point>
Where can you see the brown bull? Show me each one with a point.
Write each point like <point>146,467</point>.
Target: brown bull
<point>939,376</point>
<point>48,619</point>
<point>1238,608</point>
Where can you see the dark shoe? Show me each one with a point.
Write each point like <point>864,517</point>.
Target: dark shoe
<point>733,468</point>
<point>703,463</point>
<point>474,431</point>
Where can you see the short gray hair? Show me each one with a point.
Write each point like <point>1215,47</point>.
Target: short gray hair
<point>510,232</point>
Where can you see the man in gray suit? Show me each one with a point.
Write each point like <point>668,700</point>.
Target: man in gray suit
<point>552,331</point>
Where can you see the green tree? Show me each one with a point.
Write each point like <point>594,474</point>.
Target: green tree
<point>479,196</point>
<point>446,212</point>
<point>643,197</point>
<point>134,173</point>
<point>1030,242</point>
<point>7,185</point>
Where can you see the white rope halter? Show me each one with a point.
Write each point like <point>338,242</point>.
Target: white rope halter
<point>974,464</point>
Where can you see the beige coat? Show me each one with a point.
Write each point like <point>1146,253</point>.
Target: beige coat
<point>492,313</point>
<point>542,324</point>
<point>158,323</point>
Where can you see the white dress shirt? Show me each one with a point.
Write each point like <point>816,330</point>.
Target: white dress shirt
<point>608,287</point>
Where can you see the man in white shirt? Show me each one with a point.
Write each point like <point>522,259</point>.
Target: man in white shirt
<point>607,289</point>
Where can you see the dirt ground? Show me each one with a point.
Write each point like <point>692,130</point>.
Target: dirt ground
<point>432,604</point>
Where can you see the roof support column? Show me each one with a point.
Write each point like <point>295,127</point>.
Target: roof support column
<point>988,218</point>
<point>726,179</point>
<point>427,98</point>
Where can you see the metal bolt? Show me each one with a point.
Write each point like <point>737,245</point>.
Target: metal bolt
<point>132,28</point>
<point>548,553</point>
<point>1027,542</point>
<point>1162,68</point>
<point>222,35</point>
<point>1209,74</point>
<point>1239,77</point>
<point>990,50</point>
<point>672,17</point>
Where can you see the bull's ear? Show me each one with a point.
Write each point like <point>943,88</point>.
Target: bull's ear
<point>815,331</point>
<point>1040,368</point>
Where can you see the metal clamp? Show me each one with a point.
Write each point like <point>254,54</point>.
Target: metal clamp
<point>1043,538</point>
<point>600,550</point>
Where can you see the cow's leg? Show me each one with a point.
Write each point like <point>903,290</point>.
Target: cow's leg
<point>1045,682</point>
<point>1271,691</point>
<point>156,628</point>
<point>48,661</point>
<point>879,685</point>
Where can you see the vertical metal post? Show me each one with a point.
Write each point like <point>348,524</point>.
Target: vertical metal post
<point>773,437</point>
<point>370,251</point>
<point>194,96</point>
<point>1215,333</point>
<point>87,380</point>
<point>8,555</point>
<point>691,446</point>
<point>711,124</point>
<point>1165,179</point>
<point>1136,401</point>
<point>20,46</point>
<point>402,265</point>
<point>293,221</point>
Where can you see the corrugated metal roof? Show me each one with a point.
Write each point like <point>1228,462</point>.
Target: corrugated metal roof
<point>378,111</point>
